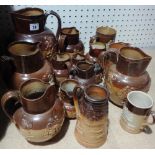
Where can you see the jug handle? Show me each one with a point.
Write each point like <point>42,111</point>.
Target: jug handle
<point>61,43</point>
<point>59,22</point>
<point>75,98</point>
<point>105,57</point>
<point>10,97</point>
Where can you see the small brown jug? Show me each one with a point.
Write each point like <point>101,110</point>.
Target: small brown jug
<point>70,41</point>
<point>35,110</point>
<point>91,105</point>
<point>126,73</point>
<point>28,63</point>
<point>86,73</point>
<point>61,63</point>
<point>29,26</point>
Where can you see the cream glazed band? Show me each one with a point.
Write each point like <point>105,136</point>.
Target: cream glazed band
<point>137,112</point>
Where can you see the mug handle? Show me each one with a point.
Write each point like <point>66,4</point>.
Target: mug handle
<point>145,127</point>
<point>59,22</point>
<point>10,99</point>
<point>76,98</point>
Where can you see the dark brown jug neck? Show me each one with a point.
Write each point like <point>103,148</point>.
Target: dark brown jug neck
<point>26,63</point>
<point>132,63</point>
<point>85,70</point>
<point>71,38</point>
<point>37,97</point>
<point>29,20</point>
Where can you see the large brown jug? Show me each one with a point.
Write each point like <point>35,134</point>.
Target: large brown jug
<point>28,63</point>
<point>126,73</point>
<point>29,26</point>
<point>35,110</point>
<point>91,105</point>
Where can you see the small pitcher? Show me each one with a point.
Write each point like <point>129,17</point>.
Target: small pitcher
<point>35,110</point>
<point>91,104</point>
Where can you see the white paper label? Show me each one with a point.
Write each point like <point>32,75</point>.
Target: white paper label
<point>34,27</point>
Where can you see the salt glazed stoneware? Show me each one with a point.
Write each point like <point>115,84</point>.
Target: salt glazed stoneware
<point>35,110</point>
<point>29,26</point>
<point>91,105</point>
<point>126,73</point>
<point>28,63</point>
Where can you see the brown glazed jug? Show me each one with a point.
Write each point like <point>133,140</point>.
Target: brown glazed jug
<point>91,104</point>
<point>61,63</point>
<point>28,63</point>
<point>105,35</point>
<point>29,26</point>
<point>69,41</point>
<point>35,110</point>
<point>86,73</point>
<point>127,73</point>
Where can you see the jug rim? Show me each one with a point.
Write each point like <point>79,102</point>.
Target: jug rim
<point>18,12</point>
<point>113,31</point>
<point>73,27</point>
<point>24,43</point>
<point>30,81</point>
<point>84,62</point>
<point>145,56</point>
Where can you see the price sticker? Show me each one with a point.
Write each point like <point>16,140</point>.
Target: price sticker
<point>34,27</point>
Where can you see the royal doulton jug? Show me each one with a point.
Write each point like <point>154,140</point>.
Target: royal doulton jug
<point>127,73</point>
<point>29,26</point>
<point>70,42</point>
<point>86,73</point>
<point>91,105</point>
<point>28,63</point>
<point>35,110</point>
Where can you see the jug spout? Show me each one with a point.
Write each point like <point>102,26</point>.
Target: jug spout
<point>135,60</point>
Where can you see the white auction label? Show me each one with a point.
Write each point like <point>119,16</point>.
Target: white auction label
<point>34,27</point>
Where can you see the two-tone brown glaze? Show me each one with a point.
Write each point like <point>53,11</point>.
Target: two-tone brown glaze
<point>91,105</point>
<point>70,42</point>
<point>127,73</point>
<point>86,73</point>
<point>38,114</point>
<point>29,26</point>
<point>29,63</point>
<point>66,95</point>
<point>61,63</point>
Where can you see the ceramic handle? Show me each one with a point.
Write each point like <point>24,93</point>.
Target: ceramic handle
<point>10,101</point>
<point>152,114</point>
<point>61,42</point>
<point>77,94</point>
<point>59,22</point>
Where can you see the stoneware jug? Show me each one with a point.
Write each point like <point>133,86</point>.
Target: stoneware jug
<point>105,35</point>
<point>66,95</point>
<point>35,110</point>
<point>29,26</point>
<point>28,63</point>
<point>70,41</point>
<point>61,63</point>
<point>86,73</point>
<point>127,73</point>
<point>91,105</point>
<point>95,50</point>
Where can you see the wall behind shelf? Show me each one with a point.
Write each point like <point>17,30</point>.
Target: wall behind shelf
<point>134,24</point>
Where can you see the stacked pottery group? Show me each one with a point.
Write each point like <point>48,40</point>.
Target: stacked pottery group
<point>53,79</point>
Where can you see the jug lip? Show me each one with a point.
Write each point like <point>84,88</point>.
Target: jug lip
<point>99,101</point>
<point>84,62</point>
<point>65,28</point>
<point>23,42</point>
<point>18,12</point>
<point>104,29</point>
<point>55,55</point>
<point>145,56</point>
<point>30,81</point>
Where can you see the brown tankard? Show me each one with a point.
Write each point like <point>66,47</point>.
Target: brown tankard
<point>91,105</point>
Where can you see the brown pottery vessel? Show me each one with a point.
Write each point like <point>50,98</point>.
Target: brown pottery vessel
<point>127,73</point>
<point>35,110</point>
<point>91,105</point>
<point>29,63</point>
